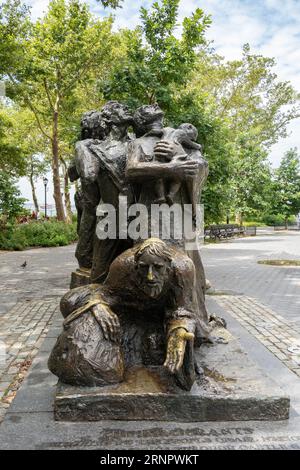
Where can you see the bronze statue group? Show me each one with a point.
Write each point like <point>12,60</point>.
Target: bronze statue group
<point>143,302</point>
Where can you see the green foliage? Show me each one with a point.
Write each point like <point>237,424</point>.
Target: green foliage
<point>158,68</point>
<point>61,56</point>
<point>38,233</point>
<point>11,155</point>
<point>69,61</point>
<point>11,204</point>
<point>287,186</point>
<point>237,106</point>
<point>157,60</point>
<point>277,219</point>
<point>111,3</point>
<point>248,94</point>
<point>217,149</point>
<point>255,108</point>
<point>14,29</point>
<point>251,223</point>
<point>250,181</point>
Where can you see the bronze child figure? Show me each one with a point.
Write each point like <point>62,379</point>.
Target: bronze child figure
<point>186,134</point>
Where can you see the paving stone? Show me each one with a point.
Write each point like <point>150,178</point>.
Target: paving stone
<point>23,347</point>
<point>274,340</point>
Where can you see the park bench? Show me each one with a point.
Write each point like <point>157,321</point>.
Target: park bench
<point>251,230</point>
<point>286,227</point>
<point>223,231</point>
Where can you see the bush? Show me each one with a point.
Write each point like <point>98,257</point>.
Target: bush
<point>277,219</point>
<point>11,204</point>
<point>37,233</point>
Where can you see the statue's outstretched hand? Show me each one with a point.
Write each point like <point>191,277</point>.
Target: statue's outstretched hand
<point>176,349</point>
<point>108,321</point>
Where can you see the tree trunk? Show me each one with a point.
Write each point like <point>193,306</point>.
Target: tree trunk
<point>67,193</point>
<point>238,218</point>
<point>60,213</point>
<point>35,201</point>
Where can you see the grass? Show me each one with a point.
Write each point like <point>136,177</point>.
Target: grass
<point>252,223</point>
<point>280,262</point>
<point>38,234</point>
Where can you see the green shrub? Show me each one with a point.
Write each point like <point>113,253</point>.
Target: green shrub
<point>37,233</point>
<point>277,219</point>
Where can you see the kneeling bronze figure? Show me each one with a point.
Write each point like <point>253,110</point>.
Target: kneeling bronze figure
<point>143,314</point>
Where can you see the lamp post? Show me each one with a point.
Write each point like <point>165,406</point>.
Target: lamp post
<point>45,181</point>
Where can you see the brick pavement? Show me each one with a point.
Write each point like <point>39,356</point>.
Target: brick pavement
<point>22,331</point>
<point>28,300</point>
<point>276,333</point>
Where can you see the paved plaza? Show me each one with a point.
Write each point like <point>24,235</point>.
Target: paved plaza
<point>232,266</point>
<point>260,303</point>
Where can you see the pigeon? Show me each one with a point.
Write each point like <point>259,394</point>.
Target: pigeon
<point>24,264</point>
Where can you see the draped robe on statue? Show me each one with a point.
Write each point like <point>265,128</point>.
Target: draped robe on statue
<point>143,171</point>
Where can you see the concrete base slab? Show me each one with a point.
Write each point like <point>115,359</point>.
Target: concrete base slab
<point>232,388</point>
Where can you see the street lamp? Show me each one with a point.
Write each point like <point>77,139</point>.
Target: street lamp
<point>45,181</point>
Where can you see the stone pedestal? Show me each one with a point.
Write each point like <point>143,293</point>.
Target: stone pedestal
<point>232,388</point>
<point>80,277</point>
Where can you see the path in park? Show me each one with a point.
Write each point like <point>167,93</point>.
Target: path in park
<point>232,266</point>
<point>46,275</point>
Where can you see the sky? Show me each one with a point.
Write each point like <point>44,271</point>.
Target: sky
<point>271,27</point>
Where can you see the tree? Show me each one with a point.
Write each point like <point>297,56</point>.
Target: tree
<point>33,147</point>
<point>61,53</point>
<point>217,148</point>
<point>237,106</point>
<point>248,95</point>
<point>157,61</point>
<point>11,204</point>
<point>287,186</point>
<point>250,182</point>
<point>11,157</point>
<point>111,3</point>
<point>14,29</point>
<point>255,108</point>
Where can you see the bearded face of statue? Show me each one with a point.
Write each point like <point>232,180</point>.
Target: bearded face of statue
<point>117,113</point>
<point>152,273</point>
